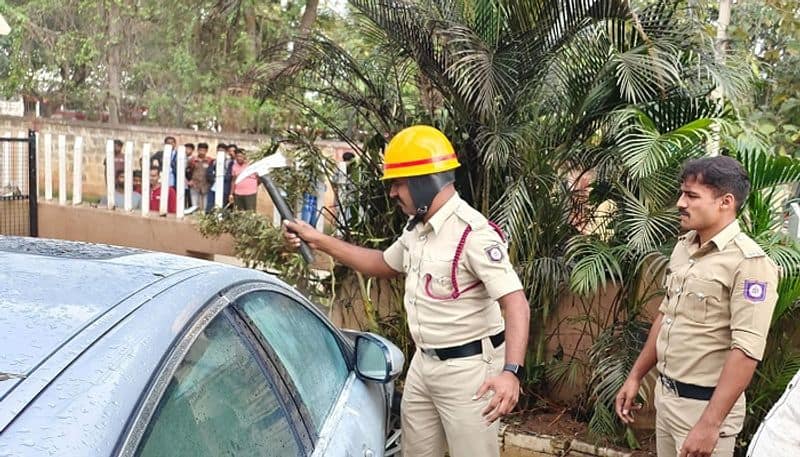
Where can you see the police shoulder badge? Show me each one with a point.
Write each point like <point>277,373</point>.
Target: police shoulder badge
<point>755,291</point>
<point>494,253</point>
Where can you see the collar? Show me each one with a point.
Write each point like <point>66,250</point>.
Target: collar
<point>442,214</point>
<point>721,239</point>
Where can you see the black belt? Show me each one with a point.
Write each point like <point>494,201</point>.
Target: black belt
<point>465,350</point>
<point>685,390</point>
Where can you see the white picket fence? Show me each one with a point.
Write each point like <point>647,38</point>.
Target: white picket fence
<point>45,149</point>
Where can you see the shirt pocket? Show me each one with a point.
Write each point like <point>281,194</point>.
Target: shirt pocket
<point>701,298</point>
<point>437,278</point>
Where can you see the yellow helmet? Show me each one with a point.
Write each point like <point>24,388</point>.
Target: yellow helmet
<point>418,150</point>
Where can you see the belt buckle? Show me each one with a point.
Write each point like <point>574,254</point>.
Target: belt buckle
<point>430,353</point>
<point>669,383</point>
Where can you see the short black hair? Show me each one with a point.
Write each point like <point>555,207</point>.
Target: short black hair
<point>348,156</point>
<point>137,173</point>
<point>240,151</point>
<point>166,139</point>
<point>189,145</point>
<point>222,145</point>
<point>202,145</point>
<point>117,142</point>
<point>722,173</point>
<point>232,145</point>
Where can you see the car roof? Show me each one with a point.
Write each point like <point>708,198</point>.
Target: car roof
<point>52,290</point>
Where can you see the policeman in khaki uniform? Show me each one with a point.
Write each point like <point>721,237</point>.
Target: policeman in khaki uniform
<point>711,330</point>
<point>465,372</point>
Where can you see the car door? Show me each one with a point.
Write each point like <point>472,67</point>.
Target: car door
<point>216,395</point>
<point>347,415</point>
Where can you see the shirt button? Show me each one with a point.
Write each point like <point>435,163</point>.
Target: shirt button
<point>677,290</point>
<point>691,261</point>
<point>669,320</point>
<point>414,268</point>
<point>423,237</point>
<point>411,301</point>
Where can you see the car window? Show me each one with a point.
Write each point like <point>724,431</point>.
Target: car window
<point>305,346</point>
<point>219,402</point>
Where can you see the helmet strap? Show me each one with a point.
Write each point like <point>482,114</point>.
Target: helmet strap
<point>423,190</point>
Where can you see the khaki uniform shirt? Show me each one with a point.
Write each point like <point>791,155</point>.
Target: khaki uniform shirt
<point>425,254</point>
<point>719,296</point>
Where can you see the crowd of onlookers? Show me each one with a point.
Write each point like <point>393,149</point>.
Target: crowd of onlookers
<point>200,187</point>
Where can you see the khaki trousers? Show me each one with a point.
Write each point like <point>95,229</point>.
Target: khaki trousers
<point>675,417</point>
<point>438,412</point>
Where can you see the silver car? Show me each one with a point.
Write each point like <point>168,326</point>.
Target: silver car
<point>109,351</point>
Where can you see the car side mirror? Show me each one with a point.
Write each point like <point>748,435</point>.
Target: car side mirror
<point>377,359</point>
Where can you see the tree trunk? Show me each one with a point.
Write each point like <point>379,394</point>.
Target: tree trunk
<point>113,61</point>
<point>309,16</point>
<point>289,66</point>
<point>720,47</point>
<point>723,22</point>
<point>254,40</point>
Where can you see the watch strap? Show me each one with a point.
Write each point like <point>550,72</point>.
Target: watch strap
<point>516,370</point>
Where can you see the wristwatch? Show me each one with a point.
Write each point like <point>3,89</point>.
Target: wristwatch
<point>516,370</point>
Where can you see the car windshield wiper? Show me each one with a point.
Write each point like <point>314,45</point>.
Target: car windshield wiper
<point>7,376</point>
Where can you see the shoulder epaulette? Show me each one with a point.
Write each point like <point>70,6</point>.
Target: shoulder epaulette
<point>471,216</point>
<point>750,249</point>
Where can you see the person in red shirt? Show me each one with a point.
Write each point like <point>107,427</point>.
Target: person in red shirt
<point>155,193</point>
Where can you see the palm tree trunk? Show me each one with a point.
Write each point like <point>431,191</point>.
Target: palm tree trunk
<point>721,47</point>
<point>723,22</point>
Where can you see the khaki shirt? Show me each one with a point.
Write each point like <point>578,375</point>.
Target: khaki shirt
<point>425,254</point>
<point>719,296</point>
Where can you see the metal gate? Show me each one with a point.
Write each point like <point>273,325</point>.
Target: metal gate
<point>18,205</point>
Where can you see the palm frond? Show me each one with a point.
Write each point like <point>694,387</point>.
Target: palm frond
<point>788,297</point>
<point>484,77</point>
<point>612,355</point>
<point>643,228</point>
<point>603,422</point>
<point>503,145</point>
<point>568,372</point>
<point>645,150</point>
<point>546,278</point>
<point>783,250</point>
<point>594,264</point>
<point>637,69</point>
<point>769,170</point>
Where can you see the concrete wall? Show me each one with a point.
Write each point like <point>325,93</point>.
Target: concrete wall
<point>97,225</point>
